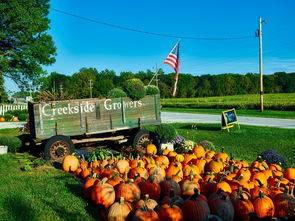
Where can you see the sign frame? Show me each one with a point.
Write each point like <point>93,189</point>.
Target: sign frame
<point>225,123</point>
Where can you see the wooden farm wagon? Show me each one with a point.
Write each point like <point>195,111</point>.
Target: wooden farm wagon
<point>59,125</point>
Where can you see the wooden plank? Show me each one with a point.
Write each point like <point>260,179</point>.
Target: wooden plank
<point>88,140</point>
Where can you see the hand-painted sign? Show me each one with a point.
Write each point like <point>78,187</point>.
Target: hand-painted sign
<point>228,119</point>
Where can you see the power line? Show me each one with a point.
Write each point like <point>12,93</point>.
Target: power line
<point>147,32</point>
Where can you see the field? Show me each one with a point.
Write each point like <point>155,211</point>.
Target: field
<point>284,102</point>
<point>249,113</point>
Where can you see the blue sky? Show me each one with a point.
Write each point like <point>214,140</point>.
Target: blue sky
<point>85,44</point>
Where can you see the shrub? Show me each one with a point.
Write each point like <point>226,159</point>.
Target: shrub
<point>8,117</point>
<point>23,117</point>
<point>166,131</point>
<point>134,89</point>
<point>116,93</point>
<point>271,156</point>
<point>13,143</point>
<point>152,89</point>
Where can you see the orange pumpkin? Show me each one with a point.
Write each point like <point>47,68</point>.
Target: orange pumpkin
<point>242,208</point>
<point>103,193</point>
<point>145,214</point>
<point>70,163</point>
<point>263,206</point>
<point>289,173</point>
<point>170,213</point>
<point>199,151</point>
<point>128,190</point>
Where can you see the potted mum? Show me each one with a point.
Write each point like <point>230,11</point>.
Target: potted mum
<point>3,145</point>
<point>166,134</point>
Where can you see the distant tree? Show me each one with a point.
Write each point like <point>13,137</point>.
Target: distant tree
<point>79,83</point>
<point>102,87</point>
<point>25,46</point>
<point>54,80</point>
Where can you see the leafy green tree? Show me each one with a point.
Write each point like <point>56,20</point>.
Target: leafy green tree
<point>80,83</point>
<point>3,94</point>
<point>54,81</point>
<point>25,46</point>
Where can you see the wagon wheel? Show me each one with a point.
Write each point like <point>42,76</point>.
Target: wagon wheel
<point>57,147</point>
<point>143,138</point>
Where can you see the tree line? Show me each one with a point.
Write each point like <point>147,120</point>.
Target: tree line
<point>79,84</point>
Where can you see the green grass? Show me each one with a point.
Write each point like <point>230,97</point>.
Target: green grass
<point>248,101</point>
<point>45,193</point>
<point>11,132</point>
<point>246,143</point>
<point>251,113</point>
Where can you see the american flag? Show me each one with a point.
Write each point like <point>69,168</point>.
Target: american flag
<point>173,60</point>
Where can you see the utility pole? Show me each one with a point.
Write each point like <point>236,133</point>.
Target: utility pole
<point>90,87</point>
<point>260,21</point>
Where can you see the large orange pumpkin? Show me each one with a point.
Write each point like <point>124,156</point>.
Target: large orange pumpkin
<point>263,206</point>
<point>103,193</point>
<point>145,214</point>
<point>289,173</point>
<point>128,190</point>
<point>70,163</point>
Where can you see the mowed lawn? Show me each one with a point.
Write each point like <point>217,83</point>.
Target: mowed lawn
<point>44,193</point>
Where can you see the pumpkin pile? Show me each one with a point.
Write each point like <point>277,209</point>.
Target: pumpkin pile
<point>202,185</point>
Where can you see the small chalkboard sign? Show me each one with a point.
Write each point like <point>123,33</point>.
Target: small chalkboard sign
<point>228,119</point>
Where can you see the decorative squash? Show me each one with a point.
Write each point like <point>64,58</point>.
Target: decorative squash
<point>123,166</point>
<point>170,213</point>
<point>151,149</point>
<point>70,163</point>
<point>120,211</point>
<point>2,119</point>
<point>179,158</point>
<point>263,206</point>
<point>103,193</point>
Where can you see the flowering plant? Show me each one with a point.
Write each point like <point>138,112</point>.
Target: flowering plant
<point>271,156</point>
